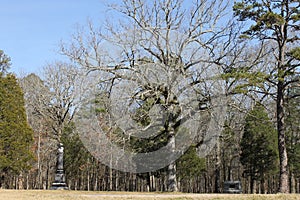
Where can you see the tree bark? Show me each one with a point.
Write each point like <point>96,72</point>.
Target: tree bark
<point>217,169</point>
<point>110,179</point>
<point>283,158</point>
<point>292,183</point>
<point>172,181</point>
<point>152,183</point>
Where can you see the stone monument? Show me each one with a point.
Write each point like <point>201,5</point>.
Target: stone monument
<point>59,180</point>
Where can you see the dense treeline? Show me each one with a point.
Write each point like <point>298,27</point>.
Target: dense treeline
<point>256,68</point>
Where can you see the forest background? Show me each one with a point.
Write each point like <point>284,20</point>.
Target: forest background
<point>249,50</point>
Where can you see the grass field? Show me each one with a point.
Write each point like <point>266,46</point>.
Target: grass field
<point>82,195</point>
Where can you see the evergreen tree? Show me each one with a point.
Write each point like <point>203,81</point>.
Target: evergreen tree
<point>76,157</point>
<point>190,164</point>
<point>16,136</point>
<point>258,145</point>
<point>293,134</point>
<point>4,62</point>
<point>276,22</point>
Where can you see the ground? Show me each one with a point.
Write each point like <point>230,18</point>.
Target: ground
<point>84,195</point>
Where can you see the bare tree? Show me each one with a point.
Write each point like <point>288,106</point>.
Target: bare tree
<point>51,104</point>
<point>35,94</point>
<point>155,43</point>
<point>63,83</point>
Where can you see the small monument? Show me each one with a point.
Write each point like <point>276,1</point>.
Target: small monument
<point>60,180</point>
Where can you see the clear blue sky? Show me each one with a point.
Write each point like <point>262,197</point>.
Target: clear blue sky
<point>31,30</point>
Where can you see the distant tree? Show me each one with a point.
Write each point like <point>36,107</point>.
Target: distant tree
<point>64,85</point>
<point>230,146</point>
<point>36,103</point>
<point>52,102</point>
<point>77,159</point>
<point>259,146</point>
<point>275,22</point>
<point>190,167</point>
<point>4,62</point>
<point>16,136</point>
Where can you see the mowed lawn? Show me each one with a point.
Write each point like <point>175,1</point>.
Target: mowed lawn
<point>83,195</point>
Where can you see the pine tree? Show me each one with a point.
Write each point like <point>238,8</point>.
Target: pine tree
<point>190,164</point>
<point>276,22</point>
<point>259,146</point>
<point>16,136</point>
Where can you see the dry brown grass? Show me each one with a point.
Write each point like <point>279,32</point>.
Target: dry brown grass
<point>83,195</point>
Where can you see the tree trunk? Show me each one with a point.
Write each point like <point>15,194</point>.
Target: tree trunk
<point>283,179</point>
<point>217,169</point>
<point>292,183</point>
<point>117,185</point>
<point>88,180</point>
<point>96,181</point>
<point>229,176</point>
<point>148,187</point>
<point>152,183</point>
<point>47,176</point>
<point>110,179</point>
<point>297,185</point>
<point>172,182</point>
<point>252,185</point>
<point>262,185</point>
<point>39,172</point>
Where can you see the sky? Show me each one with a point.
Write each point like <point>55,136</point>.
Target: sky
<point>31,30</point>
